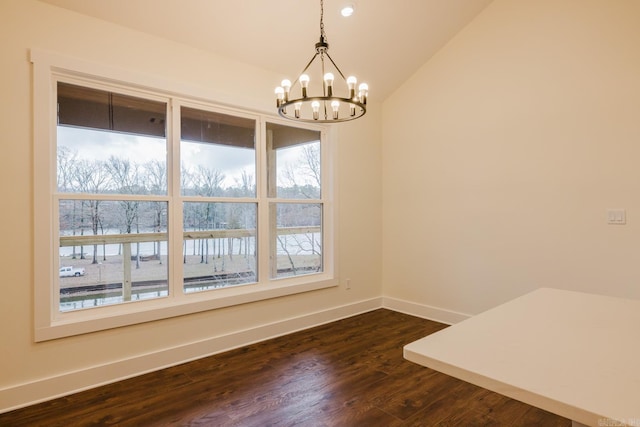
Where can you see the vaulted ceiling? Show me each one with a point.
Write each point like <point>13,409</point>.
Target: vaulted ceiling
<point>383,42</point>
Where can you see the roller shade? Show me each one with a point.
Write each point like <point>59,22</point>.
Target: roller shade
<point>217,128</point>
<point>97,109</point>
<point>287,136</point>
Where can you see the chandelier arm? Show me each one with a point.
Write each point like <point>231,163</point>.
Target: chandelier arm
<point>305,69</point>
<point>335,65</point>
<point>324,83</point>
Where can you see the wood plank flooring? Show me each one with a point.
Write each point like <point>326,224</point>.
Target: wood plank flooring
<point>347,373</point>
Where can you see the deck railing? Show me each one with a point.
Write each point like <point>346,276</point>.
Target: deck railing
<point>127,239</point>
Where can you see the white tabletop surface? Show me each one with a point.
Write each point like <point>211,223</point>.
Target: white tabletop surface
<point>570,353</point>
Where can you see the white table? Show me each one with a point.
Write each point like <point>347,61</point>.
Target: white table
<point>570,353</point>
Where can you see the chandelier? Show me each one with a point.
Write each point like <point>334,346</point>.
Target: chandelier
<point>335,100</point>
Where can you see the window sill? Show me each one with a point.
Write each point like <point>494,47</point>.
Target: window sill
<point>103,318</point>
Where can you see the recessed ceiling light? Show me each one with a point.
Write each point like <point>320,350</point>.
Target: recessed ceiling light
<point>347,10</point>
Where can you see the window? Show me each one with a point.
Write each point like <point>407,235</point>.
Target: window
<point>295,188</point>
<point>219,211</point>
<point>111,194</point>
<point>164,205</point>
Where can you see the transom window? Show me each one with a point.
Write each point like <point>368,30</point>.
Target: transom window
<point>166,205</point>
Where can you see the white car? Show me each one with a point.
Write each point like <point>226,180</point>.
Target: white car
<point>69,271</point>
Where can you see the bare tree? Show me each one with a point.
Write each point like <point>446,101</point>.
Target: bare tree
<point>66,159</point>
<point>206,182</point>
<point>245,185</point>
<point>126,178</point>
<point>310,164</point>
<point>303,178</point>
<point>156,182</point>
<point>90,176</point>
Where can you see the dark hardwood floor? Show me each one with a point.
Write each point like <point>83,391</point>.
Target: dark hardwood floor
<point>347,373</point>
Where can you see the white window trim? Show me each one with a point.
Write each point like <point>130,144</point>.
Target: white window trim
<point>49,322</point>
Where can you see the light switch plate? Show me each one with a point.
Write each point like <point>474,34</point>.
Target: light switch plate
<point>616,216</point>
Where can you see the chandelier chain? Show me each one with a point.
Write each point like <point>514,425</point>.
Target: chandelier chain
<point>322,33</point>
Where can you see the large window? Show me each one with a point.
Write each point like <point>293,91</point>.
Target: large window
<point>163,205</point>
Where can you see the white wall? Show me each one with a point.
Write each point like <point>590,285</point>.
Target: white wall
<point>502,154</point>
<point>30,371</point>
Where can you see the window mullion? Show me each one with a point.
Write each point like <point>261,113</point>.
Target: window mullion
<point>175,221</point>
<point>264,252</point>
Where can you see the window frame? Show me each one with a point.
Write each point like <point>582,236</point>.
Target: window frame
<point>49,322</point>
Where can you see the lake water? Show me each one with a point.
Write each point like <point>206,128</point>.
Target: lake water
<point>190,247</point>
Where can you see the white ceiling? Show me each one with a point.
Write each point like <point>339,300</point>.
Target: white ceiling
<point>383,43</point>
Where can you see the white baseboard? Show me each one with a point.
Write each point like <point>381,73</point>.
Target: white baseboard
<point>436,314</point>
<point>44,389</point>
<point>40,390</point>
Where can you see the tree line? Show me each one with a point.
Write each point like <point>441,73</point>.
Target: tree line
<point>122,176</point>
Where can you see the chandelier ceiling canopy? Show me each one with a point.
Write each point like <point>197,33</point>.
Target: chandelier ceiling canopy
<point>329,98</point>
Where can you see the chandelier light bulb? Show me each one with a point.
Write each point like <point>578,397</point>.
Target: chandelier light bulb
<point>363,92</point>
<point>304,82</point>
<point>335,106</point>
<point>286,85</point>
<point>279,96</point>
<point>328,79</point>
<point>315,106</point>
<point>351,84</point>
<point>297,106</point>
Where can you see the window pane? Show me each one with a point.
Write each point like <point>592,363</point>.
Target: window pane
<point>111,252</point>
<point>101,139</point>
<point>217,154</point>
<point>294,162</point>
<point>297,240</point>
<point>219,247</point>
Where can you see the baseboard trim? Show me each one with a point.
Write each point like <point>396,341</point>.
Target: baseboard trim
<point>436,314</point>
<point>41,390</point>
